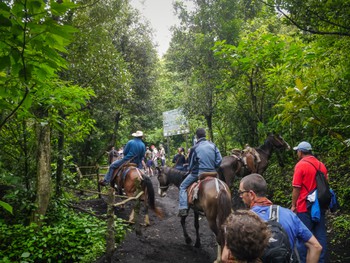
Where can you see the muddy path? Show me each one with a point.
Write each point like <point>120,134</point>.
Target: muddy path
<point>163,240</point>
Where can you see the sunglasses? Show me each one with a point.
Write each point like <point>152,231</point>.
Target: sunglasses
<point>242,192</point>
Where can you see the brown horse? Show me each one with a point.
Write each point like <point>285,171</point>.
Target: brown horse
<point>213,200</point>
<point>233,165</point>
<point>133,181</point>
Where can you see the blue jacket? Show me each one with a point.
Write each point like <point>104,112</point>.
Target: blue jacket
<point>289,221</point>
<point>204,157</point>
<point>134,147</point>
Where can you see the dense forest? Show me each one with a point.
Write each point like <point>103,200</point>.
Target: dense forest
<point>79,76</point>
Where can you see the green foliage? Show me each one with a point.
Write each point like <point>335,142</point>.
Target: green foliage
<point>341,226</point>
<point>70,238</point>
<point>113,53</point>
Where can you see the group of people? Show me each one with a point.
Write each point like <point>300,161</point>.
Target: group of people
<point>136,152</point>
<point>153,157</point>
<point>246,234</point>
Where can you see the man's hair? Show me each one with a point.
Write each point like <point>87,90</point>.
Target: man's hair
<point>200,133</point>
<point>306,152</point>
<point>246,235</point>
<point>256,183</point>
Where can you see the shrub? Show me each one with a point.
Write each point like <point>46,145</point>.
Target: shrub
<point>75,238</point>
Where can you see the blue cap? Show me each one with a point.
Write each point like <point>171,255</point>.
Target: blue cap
<point>303,146</point>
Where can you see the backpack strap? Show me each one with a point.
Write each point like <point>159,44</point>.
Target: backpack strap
<point>274,212</point>
<point>319,165</point>
<point>319,169</point>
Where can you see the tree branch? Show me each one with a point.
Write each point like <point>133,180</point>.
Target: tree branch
<point>310,30</point>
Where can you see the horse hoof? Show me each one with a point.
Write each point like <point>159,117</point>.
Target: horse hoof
<point>144,224</point>
<point>130,222</point>
<point>188,240</point>
<point>197,245</point>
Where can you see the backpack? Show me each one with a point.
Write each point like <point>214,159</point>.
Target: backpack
<point>324,195</point>
<point>278,249</point>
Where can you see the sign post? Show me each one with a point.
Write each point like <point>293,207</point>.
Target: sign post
<point>174,123</point>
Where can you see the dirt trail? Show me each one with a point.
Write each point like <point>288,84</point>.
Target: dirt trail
<point>163,241</point>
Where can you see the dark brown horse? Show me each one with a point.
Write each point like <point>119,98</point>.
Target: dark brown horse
<point>133,181</point>
<point>233,165</point>
<point>214,201</point>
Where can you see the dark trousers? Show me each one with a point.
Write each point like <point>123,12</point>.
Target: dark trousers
<point>320,232</point>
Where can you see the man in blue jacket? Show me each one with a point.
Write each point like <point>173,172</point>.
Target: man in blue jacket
<point>252,190</point>
<point>204,157</point>
<point>135,149</point>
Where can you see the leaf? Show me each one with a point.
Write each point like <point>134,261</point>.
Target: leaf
<point>25,255</point>
<point>4,61</point>
<point>4,21</point>
<point>6,206</point>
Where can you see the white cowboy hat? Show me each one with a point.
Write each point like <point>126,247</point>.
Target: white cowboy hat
<point>137,134</point>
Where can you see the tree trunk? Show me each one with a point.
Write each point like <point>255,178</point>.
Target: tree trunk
<point>60,162</point>
<point>209,119</point>
<point>43,190</point>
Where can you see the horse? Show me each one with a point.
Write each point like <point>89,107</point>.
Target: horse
<point>213,200</point>
<point>233,164</point>
<point>132,181</point>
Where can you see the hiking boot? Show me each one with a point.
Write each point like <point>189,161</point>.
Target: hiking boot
<point>182,212</point>
<point>102,183</point>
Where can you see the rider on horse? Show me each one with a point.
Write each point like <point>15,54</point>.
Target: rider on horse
<point>204,157</point>
<point>134,150</point>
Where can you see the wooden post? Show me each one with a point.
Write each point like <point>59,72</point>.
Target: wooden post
<point>98,179</point>
<point>110,239</point>
<point>169,151</point>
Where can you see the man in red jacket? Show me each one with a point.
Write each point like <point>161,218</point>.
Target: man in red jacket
<point>304,182</point>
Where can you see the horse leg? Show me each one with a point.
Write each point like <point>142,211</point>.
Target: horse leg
<point>183,224</point>
<point>196,225</point>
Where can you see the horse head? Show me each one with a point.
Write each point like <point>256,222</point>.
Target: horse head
<point>163,183</point>
<point>279,144</point>
<point>277,141</point>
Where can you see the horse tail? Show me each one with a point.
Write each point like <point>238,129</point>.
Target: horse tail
<point>151,196</point>
<point>224,210</point>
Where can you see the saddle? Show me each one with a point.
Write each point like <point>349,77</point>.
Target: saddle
<point>120,174</point>
<point>192,190</point>
<point>250,160</point>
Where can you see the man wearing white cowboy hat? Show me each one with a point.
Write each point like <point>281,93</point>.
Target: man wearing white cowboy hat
<point>135,149</point>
